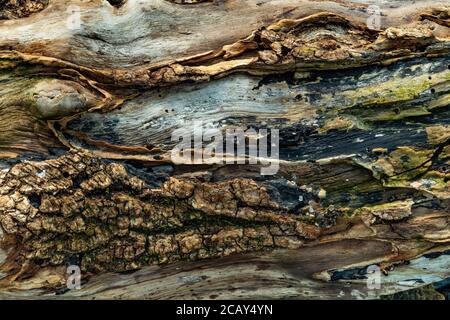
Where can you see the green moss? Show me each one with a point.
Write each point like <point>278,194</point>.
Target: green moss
<point>402,92</point>
<point>397,114</point>
<point>388,101</point>
<point>442,101</point>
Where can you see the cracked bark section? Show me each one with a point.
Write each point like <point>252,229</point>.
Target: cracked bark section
<point>77,207</point>
<point>86,119</point>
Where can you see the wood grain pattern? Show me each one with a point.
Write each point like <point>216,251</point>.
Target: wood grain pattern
<point>86,122</point>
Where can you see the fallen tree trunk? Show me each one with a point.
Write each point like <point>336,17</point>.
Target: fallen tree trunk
<point>88,115</point>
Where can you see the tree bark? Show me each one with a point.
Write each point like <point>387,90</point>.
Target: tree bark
<point>88,112</point>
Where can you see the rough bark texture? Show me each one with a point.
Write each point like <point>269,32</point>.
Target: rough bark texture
<point>86,118</point>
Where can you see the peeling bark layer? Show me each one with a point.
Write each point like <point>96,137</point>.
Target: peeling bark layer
<point>13,9</point>
<point>87,116</point>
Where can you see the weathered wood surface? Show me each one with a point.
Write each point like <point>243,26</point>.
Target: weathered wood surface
<point>87,115</point>
<point>280,274</point>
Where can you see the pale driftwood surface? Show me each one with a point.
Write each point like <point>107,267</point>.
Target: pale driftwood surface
<point>86,118</point>
<point>280,274</point>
